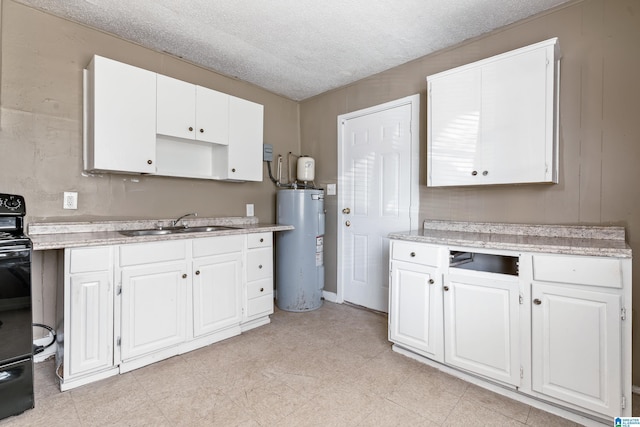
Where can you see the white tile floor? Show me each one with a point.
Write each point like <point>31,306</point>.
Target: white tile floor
<point>330,367</point>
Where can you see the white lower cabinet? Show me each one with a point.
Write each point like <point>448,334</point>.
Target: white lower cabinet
<point>85,321</point>
<point>126,306</point>
<point>548,328</point>
<point>217,283</point>
<point>481,326</point>
<point>154,299</point>
<point>415,309</point>
<point>576,346</point>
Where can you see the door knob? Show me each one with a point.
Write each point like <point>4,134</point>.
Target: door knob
<point>346,211</point>
<point>347,223</point>
<point>197,272</point>
<point>537,301</point>
<point>446,288</point>
<point>184,276</point>
<point>431,281</point>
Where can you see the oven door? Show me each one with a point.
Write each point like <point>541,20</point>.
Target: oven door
<point>16,333</point>
<point>16,387</point>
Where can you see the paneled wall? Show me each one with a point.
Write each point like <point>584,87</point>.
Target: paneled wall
<point>599,128</point>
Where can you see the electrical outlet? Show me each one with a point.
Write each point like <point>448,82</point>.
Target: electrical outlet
<point>70,200</point>
<point>249,209</point>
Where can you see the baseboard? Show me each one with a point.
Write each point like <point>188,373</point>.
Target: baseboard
<point>330,296</point>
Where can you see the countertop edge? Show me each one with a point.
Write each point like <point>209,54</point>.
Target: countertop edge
<point>101,238</point>
<point>555,248</point>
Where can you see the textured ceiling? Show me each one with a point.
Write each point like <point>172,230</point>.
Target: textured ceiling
<point>296,48</point>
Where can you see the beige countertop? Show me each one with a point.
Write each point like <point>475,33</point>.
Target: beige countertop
<point>571,240</point>
<point>60,235</point>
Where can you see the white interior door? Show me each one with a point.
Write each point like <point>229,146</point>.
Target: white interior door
<point>378,194</point>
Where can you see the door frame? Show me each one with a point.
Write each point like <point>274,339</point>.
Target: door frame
<point>414,101</point>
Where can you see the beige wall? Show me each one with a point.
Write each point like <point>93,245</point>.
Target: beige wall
<point>42,58</point>
<point>599,128</point>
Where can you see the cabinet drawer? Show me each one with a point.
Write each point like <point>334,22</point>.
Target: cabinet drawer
<point>82,260</point>
<point>217,245</point>
<point>415,252</point>
<point>260,288</point>
<point>259,264</point>
<point>579,270</point>
<point>259,240</point>
<point>261,305</point>
<point>147,253</point>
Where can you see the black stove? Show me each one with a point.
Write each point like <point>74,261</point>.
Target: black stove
<point>16,334</point>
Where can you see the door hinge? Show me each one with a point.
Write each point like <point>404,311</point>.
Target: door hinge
<point>520,301</point>
<point>623,405</point>
<point>119,342</point>
<point>623,313</point>
<point>521,372</point>
<point>119,290</point>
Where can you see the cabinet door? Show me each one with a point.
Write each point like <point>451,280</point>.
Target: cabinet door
<point>245,140</point>
<point>517,96</point>
<point>481,325</point>
<point>415,309</point>
<point>120,117</point>
<point>89,323</point>
<point>212,116</point>
<point>576,347</point>
<point>176,110</point>
<point>454,128</point>
<point>217,293</point>
<point>153,308</point>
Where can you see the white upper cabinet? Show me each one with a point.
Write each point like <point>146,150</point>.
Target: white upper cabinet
<point>119,117</point>
<point>137,121</point>
<point>193,112</point>
<point>495,121</point>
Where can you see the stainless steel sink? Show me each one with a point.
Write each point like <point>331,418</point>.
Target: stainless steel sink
<point>174,230</point>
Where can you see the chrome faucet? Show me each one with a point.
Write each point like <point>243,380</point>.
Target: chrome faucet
<point>176,221</point>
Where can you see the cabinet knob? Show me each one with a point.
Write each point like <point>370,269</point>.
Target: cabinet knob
<point>197,272</point>
<point>201,130</point>
<point>184,276</point>
<point>233,170</point>
<point>260,266</point>
<point>261,289</point>
<point>537,301</point>
<point>413,254</point>
<point>190,129</point>
<point>149,162</point>
<point>261,240</point>
<point>485,173</point>
<point>446,288</point>
<point>474,173</point>
<point>431,281</point>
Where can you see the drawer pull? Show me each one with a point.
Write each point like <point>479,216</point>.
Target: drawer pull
<point>261,289</point>
<point>261,240</point>
<point>260,266</point>
<point>413,254</point>
<point>537,301</point>
<point>431,281</point>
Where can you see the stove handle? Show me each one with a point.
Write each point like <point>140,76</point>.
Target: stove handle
<point>6,254</point>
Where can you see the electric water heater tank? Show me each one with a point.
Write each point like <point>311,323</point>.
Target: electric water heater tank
<point>300,252</point>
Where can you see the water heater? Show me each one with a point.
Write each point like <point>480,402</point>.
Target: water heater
<point>300,252</point>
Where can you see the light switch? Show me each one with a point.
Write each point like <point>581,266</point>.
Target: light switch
<point>249,209</point>
<point>331,189</point>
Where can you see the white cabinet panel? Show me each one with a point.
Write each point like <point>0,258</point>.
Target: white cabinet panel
<point>415,309</point>
<point>494,121</point>
<point>119,117</point>
<point>217,293</point>
<point>89,345</point>
<point>482,325</point>
<point>576,347</point>
<point>212,116</point>
<point>153,308</point>
<point>176,108</point>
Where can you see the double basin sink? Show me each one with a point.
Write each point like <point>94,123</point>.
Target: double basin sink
<point>175,230</point>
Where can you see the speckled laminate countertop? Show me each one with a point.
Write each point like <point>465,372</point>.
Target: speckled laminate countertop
<point>60,235</point>
<point>558,239</point>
